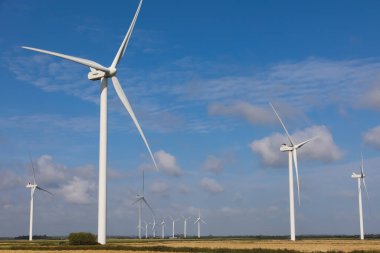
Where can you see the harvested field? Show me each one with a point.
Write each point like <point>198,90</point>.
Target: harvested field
<point>192,245</point>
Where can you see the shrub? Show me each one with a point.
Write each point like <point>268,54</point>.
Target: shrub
<point>82,238</point>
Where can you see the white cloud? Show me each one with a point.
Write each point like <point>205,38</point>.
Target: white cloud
<point>213,164</point>
<point>8,180</point>
<point>252,113</point>
<point>372,137</point>
<point>322,148</point>
<point>47,171</point>
<point>76,185</point>
<point>211,185</point>
<point>160,188</point>
<point>184,189</point>
<point>78,191</point>
<point>167,163</point>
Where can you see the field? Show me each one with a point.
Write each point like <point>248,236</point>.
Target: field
<point>222,245</point>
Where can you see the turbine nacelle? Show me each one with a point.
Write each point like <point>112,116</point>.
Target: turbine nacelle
<point>96,74</point>
<point>354,175</point>
<point>285,148</point>
<point>29,185</point>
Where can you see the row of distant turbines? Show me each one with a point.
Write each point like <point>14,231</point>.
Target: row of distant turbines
<point>99,72</point>
<point>153,224</point>
<point>141,200</point>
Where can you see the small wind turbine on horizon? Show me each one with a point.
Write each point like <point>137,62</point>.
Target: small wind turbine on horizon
<point>140,199</point>
<point>361,178</point>
<point>99,72</point>
<point>198,221</point>
<point>146,229</point>
<point>185,225</point>
<point>173,224</point>
<point>33,187</point>
<point>153,227</point>
<point>292,149</point>
<point>163,224</point>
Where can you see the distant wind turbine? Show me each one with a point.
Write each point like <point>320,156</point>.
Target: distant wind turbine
<point>33,187</point>
<point>361,178</point>
<point>99,72</point>
<point>153,227</point>
<point>163,224</point>
<point>146,229</point>
<point>198,221</point>
<point>173,223</point>
<point>140,199</point>
<point>292,149</point>
<point>185,225</point>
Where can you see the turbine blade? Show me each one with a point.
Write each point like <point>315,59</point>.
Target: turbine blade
<point>34,174</point>
<point>151,209</point>
<point>125,101</point>
<point>305,142</point>
<point>203,221</point>
<point>39,188</point>
<point>137,200</point>
<point>296,167</point>
<point>362,167</point>
<point>82,61</point>
<point>282,123</point>
<point>365,187</point>
<point>197,220</point>
<point>143,182</point>
<point>124,44</point>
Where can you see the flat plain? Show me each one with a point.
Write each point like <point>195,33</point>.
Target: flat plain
<point>193,245</point>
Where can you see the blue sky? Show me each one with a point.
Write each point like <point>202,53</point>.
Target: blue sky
<point>199,75</point>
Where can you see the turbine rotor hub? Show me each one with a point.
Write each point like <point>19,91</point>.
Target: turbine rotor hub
<point>112,72</point>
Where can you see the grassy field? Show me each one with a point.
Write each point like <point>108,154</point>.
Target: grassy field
<point>192,245</point>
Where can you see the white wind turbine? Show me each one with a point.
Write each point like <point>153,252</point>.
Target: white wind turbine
<point>33,188</point>
<point>361,178</point>
<point>99,72</point>
<point>163,224</point>
<point>153,227</point>
<point>146,229</point>
<point>173,224</point>
<point>185,225</point>
<point>140,199</point>
<point>198,221</point>
<point>292,149</point>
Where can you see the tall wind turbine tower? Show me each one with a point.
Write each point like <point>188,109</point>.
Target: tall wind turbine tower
<point>185,225</point>
<point>163,224</point>
<point>292,151</point>
<point>360,177</point>
<point>99,72</point>
<point>198,221</point>
<point>173,223</point>
<point>33,187</point>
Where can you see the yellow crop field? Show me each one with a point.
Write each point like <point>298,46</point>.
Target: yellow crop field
<point>191,245</point>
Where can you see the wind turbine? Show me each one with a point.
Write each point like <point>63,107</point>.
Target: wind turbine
<point>199,220</point>
<point>185,225</point>
<point>361,178</point>
<point>140,199</point>
<point>173,224</point>
<point>153,227</point>
<point>146,229</point>
<point>33,187</point>
<point>99,72</point>
<point>292,149</point>
<point>163,224</point>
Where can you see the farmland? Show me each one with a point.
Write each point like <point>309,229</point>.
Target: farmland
<point>193,245</point>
